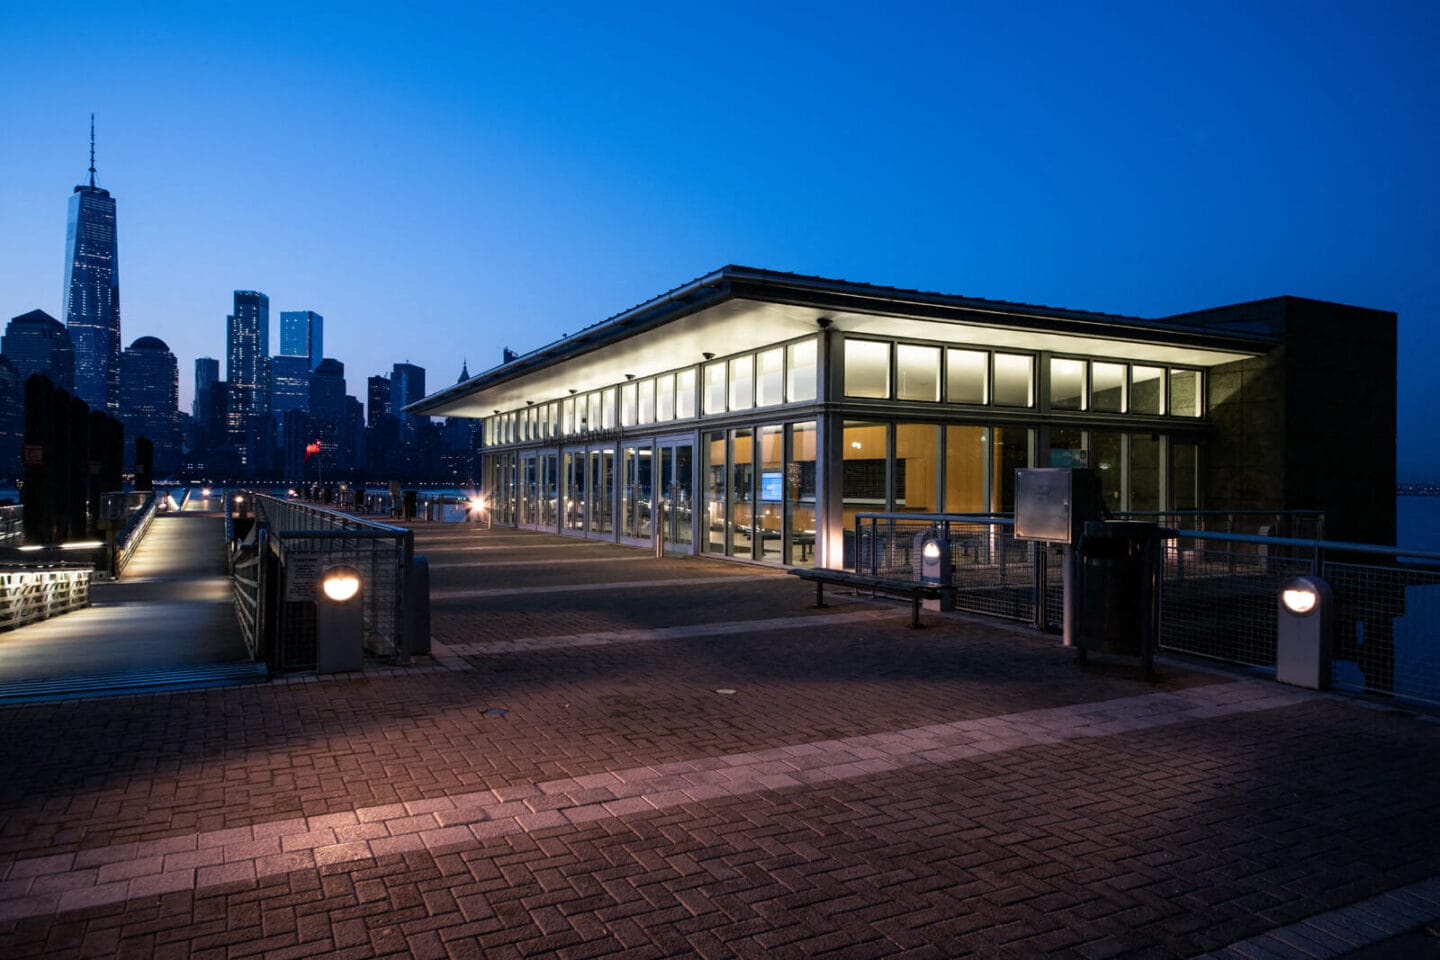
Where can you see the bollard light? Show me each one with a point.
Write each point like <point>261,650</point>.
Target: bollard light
<point>339,638</point>
<point>935,569</point>
<point>1304,633</point>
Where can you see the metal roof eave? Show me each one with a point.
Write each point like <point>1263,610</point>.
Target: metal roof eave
<point>736,282</point>
<point>705,292</point>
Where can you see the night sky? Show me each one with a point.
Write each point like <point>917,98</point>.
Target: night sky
<point>443,183</point>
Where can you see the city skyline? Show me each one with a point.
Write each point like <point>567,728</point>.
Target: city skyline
<point>441,187</point>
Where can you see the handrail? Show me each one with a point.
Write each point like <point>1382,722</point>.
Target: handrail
<point>130,535</point>
<point>1337,546</point>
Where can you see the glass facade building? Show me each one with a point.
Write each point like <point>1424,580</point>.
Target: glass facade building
<point>247,349</point>
<point>302,334</point>
<point>92,295</point>
<point>756,415</point>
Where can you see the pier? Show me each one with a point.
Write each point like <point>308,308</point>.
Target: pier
<point>610,754</point>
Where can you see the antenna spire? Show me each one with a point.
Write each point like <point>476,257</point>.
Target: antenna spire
<point>92,151</point>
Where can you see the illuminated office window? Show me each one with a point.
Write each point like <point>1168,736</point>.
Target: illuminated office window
<point>800,372</point>
<point>715,387</point>
<point>917,372</point>
<point>1107,387</point>
<point>1067,384</point>
<point>1014,384</point>
<point>1147,390</point>
<point>967,376</point>
<point>769,367</point>
<point>742,383</point>
<point>867,369</point>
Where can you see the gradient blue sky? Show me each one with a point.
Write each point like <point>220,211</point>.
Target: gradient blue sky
<point>441,182</point>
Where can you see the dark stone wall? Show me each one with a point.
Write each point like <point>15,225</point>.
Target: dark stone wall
<point>1310,425</point>
<point>1243,460</point>
<point>1340,416</point>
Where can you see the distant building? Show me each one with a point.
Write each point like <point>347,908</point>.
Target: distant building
<point>12,421</point>
<point>92,292</point>
<point>378,396</point>
<point>289,384</point>
<point>247,348</point>
<point>295,435</point>
<point>407,386</point>
<point>302,334</point>
<point>36,342</point>
<point>207,374</point>
<point>352,438</point>
<point>327,413</point>
<point>150,402</point>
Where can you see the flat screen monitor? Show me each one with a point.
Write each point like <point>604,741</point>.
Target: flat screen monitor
<point>772,487</point>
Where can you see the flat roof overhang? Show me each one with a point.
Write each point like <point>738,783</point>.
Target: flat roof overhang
<point>736,310</point>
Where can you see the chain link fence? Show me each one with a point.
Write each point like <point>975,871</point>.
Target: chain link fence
<point>279,565</point>
<point>1219,588</point>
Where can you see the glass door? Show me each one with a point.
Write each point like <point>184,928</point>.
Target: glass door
<point>573,492</point>
<point>548,481</point>
<point>529,490</point>
<point>637,493</point>
<point>675,475</point>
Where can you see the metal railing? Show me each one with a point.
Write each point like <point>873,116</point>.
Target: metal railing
<point>275,579</point>
<point>1219,590</point>
<point>995,574</point>
<point>12,525</point>
<point>31,592</point>
<point>130,535</point>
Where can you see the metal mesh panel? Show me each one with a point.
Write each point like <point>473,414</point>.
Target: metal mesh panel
<point>1387,629</point>
<point>308,539</point>
<point>1218,599</point>
<point>381,562</point>
<point>993,573</point>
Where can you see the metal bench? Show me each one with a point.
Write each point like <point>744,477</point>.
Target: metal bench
<point>904,589</point>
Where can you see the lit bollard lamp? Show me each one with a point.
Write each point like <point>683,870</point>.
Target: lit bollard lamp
<point>339,644</point>
<point>1305,630</point>
<point>936,570</point>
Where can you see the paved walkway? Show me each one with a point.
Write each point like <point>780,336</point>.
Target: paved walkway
<point>712,767</point>
<point>171,613</point>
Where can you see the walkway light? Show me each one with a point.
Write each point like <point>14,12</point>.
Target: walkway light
<point>1304,633</point>
<point>338,621</point>
<point>936,569</point>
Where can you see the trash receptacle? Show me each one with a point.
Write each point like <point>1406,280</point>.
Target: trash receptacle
<point>1118,587</point>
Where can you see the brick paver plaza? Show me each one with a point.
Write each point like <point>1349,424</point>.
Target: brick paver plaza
<point>617,756</point>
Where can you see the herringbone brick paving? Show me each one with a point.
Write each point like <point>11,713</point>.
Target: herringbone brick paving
<point>1165,841</point>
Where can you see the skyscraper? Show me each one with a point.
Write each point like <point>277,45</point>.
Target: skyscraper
<point>207,371</point>
<point>203,432</point>
<point>302,334</point>
<point>247,353</point>
<point>149,402</point>
<point>407,385</point>
<point>327,412</point>
<point>289,385</point>
<point>36,342</point>
<point>378,399</point>
<point>92,292</point>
